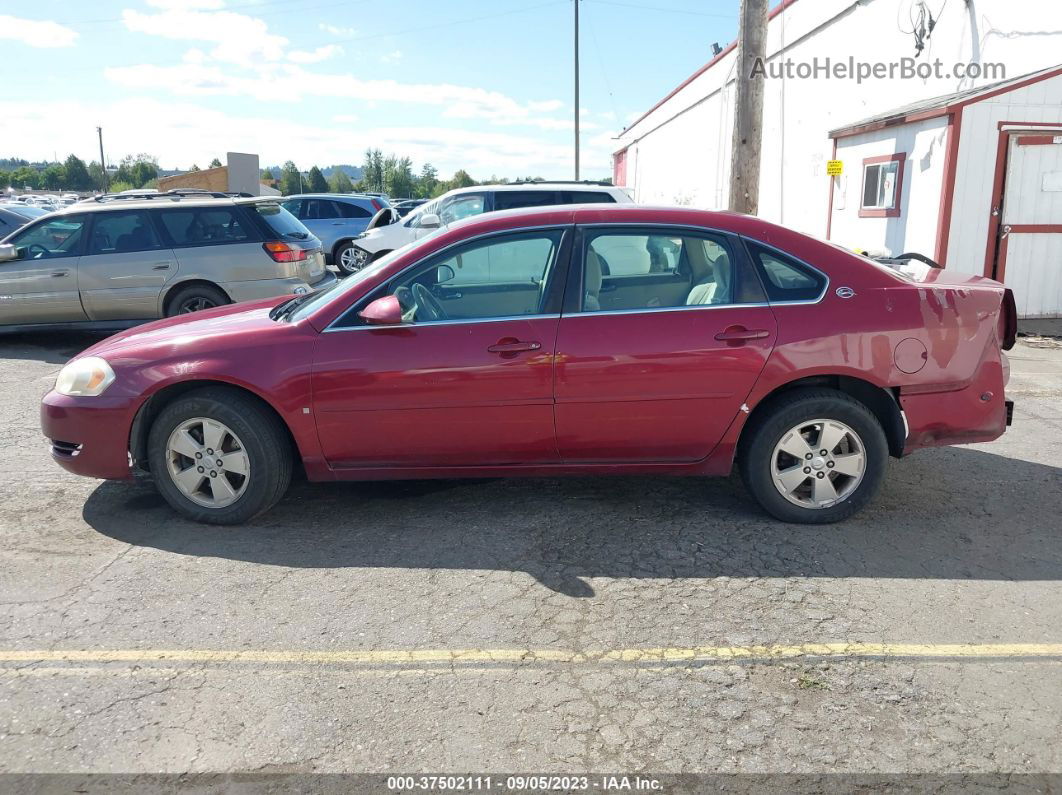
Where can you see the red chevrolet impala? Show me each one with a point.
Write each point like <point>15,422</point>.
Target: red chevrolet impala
<point>555,341</point>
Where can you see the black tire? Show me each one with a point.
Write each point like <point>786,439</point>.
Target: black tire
<point>194,298</point>
<point>344,249</point>
<point>784,413</point>
<point>264,439</point>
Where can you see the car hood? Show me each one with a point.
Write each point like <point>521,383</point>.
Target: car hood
<point>198,330</point>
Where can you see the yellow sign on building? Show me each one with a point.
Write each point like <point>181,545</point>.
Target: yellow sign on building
<point>834,168</point>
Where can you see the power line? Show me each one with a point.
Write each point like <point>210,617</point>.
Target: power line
<point>664,9</point>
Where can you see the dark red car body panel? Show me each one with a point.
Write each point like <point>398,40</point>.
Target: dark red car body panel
<point>621,393</point>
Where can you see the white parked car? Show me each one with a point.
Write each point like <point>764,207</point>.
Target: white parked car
<point>384,236</point>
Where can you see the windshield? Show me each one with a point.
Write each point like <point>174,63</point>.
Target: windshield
<point>283,223</point>
<point>336,291</point>
<point>24,211</point>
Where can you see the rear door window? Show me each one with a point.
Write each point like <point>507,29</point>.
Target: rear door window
<point>204,226</point>
<point>123,231</point>
<point>279,221</point>
<point>320,209</point>
<point>588,197</point>
<point>513,199</point>
<point>348,210</point>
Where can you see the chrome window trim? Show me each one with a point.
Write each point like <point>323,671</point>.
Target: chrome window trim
<point>726,232</point>
<point>485,235</point>
<point>656,310</point>
<point>451,322</point>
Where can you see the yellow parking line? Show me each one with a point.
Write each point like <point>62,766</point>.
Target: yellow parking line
<point>420,657</point>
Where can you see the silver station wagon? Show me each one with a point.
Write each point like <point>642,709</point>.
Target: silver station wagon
<point>117,260</point>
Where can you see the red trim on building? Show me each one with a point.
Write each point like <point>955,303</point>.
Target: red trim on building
<point>1038,140</point>
<point>725,52</point>
<point>942,110</point>
<point>995,267</point>
<point>890,212</point>
<point>1036,229</point>
<point>947,188</point>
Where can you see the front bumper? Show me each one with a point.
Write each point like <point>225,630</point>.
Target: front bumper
<point>90,436</point>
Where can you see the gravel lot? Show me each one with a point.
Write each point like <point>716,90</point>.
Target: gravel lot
<point>110,607</point>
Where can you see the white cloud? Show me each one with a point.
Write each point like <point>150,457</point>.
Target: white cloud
<point>187,4</point>
<point>180,134</point>
<point>315,56</point>
<point>345,118</point>
<point>273,81</point>
<point>335,30</point>
<point>238,38</point>
<point>392,57</point>
<point>36,32</point>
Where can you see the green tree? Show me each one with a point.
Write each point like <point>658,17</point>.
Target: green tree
<point>118,186</point>
<point>52,178</point>
<point>26,177</point>
<point>315,181</point>
<point>5,179</point>
<point>194,168</point>
<point>461,180</point>
<point>339,182</point>
<point>76,174</point>
<point>215,163</point>
<point>399,181</point>
<point>266,175</point>
<point>372,178</point>
<point>290,179</point>
<point>428,180</point>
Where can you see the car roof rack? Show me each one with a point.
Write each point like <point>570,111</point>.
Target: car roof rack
<point>561,182</point>
<point>177,193</point>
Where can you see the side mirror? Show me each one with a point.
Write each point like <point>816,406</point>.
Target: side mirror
<point>384,311</point>
<point>8,252</point>
<point>443,274</point>
<point>429,221</point>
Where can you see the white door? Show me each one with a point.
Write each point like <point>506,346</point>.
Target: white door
<point>1030,249</point>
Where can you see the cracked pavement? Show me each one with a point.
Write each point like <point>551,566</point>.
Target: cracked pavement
<point>962,547</point>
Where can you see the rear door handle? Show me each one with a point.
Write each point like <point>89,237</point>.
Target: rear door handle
<point>740,334</point>
<point>513,346</point>
<point>161,266</point>
<point>60,274</point>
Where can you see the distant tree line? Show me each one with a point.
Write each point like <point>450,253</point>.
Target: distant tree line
<point>134,171</point>
<point>389,174</point>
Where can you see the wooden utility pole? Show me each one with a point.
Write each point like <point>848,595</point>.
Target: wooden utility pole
<point>103,164</point>
<point>748,108</point>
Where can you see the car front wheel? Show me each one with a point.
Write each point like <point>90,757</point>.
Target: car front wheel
<point>219,457</point>
<point>814,456</point>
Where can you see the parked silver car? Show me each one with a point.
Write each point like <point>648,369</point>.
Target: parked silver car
<point>119,260</point>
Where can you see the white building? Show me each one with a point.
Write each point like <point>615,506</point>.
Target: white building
<point>967,171</point>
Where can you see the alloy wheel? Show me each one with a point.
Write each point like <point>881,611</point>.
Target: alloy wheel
<point>196,304</point>
<point>207,462</point>
<point>351,260</point>
<point>818,463</point>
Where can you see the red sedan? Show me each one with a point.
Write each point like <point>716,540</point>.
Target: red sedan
<point>556,341</point>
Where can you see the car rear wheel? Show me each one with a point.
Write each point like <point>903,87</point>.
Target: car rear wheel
<point>219,457</point>
<point>814,456</point>
<point>195,298</point>
<point>350,259</point>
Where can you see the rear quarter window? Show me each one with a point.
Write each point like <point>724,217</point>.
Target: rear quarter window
<point>204,226</point>
<point>784,278</point>
<point>278,222</point>
<point>588,197</point>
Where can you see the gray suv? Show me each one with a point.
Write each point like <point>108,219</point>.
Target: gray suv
<point>335,219</point>
<point>118,260</point>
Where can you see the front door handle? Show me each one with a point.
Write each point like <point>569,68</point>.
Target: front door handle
<point>741,334</point>
<point>513,346</point>
<point>60,274</point>
<point>161,266</point>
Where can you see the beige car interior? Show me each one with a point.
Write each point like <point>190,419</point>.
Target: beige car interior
<point>700,274</point>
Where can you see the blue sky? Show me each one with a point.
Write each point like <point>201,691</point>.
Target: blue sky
<point>481,84</point>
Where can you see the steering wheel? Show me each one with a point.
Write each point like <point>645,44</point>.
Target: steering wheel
<point>428,302</point>
<point>43,251</point>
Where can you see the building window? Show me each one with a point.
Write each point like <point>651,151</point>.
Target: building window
<point>882,186</point>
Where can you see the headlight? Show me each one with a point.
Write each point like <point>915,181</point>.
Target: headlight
<point>86,377</point>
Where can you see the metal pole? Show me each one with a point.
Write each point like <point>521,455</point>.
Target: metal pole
<point>576,4</point>
<point>103,163</point>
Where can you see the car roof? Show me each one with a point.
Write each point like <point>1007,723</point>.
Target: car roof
<point>94,205</point>
<point>594,187</point>
<point>347,196</point>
